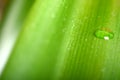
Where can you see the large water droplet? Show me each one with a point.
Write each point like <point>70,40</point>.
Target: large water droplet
<point>104,33</point>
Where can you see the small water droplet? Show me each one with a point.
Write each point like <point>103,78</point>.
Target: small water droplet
<point>104,33</point>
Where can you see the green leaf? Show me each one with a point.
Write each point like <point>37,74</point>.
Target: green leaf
<point>10,26</point>
<point>57,42</point>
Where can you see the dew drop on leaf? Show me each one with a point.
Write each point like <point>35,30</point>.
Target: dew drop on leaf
<point>104,33</point>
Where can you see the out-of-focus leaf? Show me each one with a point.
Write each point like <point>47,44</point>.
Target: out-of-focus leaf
<point>13,18</point>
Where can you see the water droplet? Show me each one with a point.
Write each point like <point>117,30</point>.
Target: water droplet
<point>104,33</point>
